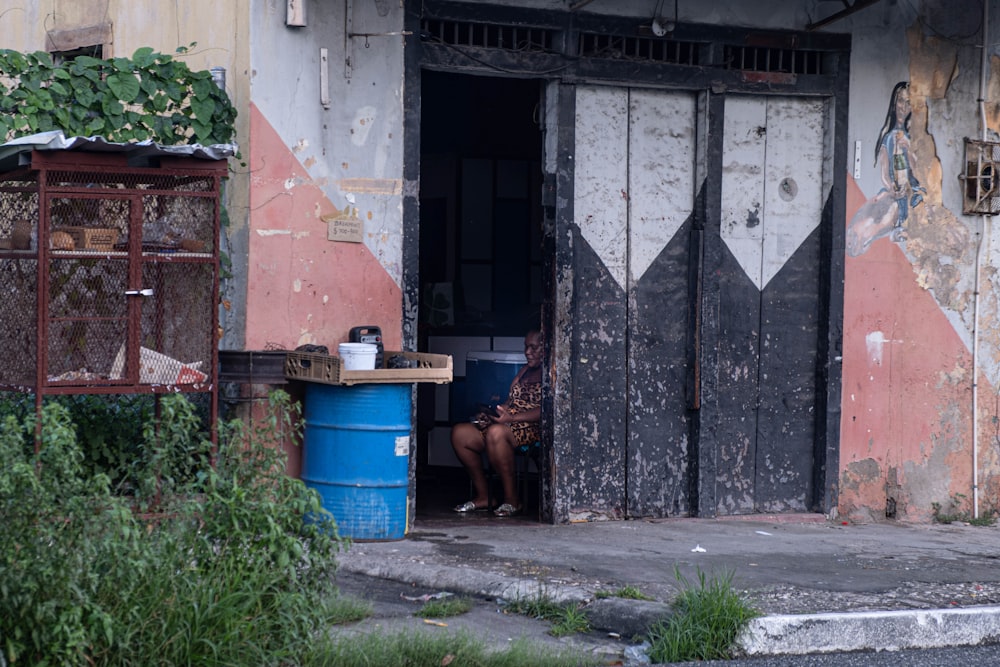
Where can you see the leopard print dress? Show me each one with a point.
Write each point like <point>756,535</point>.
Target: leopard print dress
<point>525,396</point>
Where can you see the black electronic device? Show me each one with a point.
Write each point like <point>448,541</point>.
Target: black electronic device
<point>372,335</point>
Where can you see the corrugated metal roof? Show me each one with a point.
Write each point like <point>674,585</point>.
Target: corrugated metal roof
<point>56,140</point>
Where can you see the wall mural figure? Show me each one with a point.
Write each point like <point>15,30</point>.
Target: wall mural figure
<point>886,213</point>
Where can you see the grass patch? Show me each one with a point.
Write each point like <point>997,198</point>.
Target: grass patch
<point>342,609</point>
<point>625,592</point>
<point>708,617</point>
<point>566,619</point>
<point>444,608</point>
<point>424,650</point>
<point>573,620</point>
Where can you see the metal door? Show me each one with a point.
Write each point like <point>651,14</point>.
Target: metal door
<point>634,203</point>
<point>774,185</point>
<point>636,194</point>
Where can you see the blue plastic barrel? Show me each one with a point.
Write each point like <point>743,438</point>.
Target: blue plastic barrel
<point>356,455</point>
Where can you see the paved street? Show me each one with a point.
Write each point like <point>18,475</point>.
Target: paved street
<point>918,586</point>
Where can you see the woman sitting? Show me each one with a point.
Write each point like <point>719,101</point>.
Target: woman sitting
<point>515,424</point>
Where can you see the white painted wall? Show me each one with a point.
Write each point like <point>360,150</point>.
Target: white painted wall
<point>354,148</point>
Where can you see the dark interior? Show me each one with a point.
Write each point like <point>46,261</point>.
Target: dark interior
<point>480,245</point>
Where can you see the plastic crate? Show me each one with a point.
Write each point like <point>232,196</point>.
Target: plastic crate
<point>327,369</point>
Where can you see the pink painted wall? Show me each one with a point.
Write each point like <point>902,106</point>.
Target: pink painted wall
<point>301,287</point>
<point>906,428</point>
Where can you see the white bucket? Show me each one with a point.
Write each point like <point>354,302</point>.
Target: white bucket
<point>358,356</point>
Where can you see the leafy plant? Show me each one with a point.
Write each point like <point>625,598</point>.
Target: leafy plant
<point>150,96</point>
<point>708,617</point>
<point>225,571</point>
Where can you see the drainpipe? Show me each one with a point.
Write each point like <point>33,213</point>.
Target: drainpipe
<point>984,227</point>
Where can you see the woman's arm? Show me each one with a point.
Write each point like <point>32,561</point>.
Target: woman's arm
<point>532,415</point>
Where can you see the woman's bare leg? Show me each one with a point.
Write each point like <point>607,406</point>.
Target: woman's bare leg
<point>500,450</point>
<point>467,441</point>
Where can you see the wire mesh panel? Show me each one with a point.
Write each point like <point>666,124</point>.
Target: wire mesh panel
<point>177,224</point>
<point>18,280</point>
<point>87,319</point>
<point>87,224</point>
<point>176,343</point>
<point>18,320</point>
<point>108,273</point>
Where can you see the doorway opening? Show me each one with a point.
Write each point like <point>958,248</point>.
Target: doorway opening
<point>480,268</point>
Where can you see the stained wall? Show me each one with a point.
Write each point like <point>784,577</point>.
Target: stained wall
<point>325,148</point>
<point>908,429</point>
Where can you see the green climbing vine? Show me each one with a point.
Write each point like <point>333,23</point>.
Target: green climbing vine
<point>150,96</point>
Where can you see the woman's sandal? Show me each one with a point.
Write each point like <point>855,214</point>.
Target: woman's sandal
<point>469,506</point>
<point>507,510</point>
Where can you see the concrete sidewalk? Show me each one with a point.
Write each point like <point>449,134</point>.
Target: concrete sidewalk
<point>822,586</point>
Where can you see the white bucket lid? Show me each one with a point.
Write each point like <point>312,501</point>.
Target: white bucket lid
<point>357,348</point>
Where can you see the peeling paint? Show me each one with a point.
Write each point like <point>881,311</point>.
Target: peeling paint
<point>296,285</point>
<point>273,232</point>
<point>956,376</point>
<point>874,343</point>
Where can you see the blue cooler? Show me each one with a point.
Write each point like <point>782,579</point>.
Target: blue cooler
<point>487,378</point>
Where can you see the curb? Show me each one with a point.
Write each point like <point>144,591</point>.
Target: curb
<point>786,634</point>
<point>871,631</point>
<point>469,581</point>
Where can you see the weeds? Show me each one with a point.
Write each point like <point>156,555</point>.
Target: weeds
<point>444,608</point>
<point>573,620</point>
<point>625,592</point>
<point>344,609</point>
<point>708,616</point>
<point>220,569</point>
<point>566,619</point>
<point>217,567</point>
<point>421,650</point>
